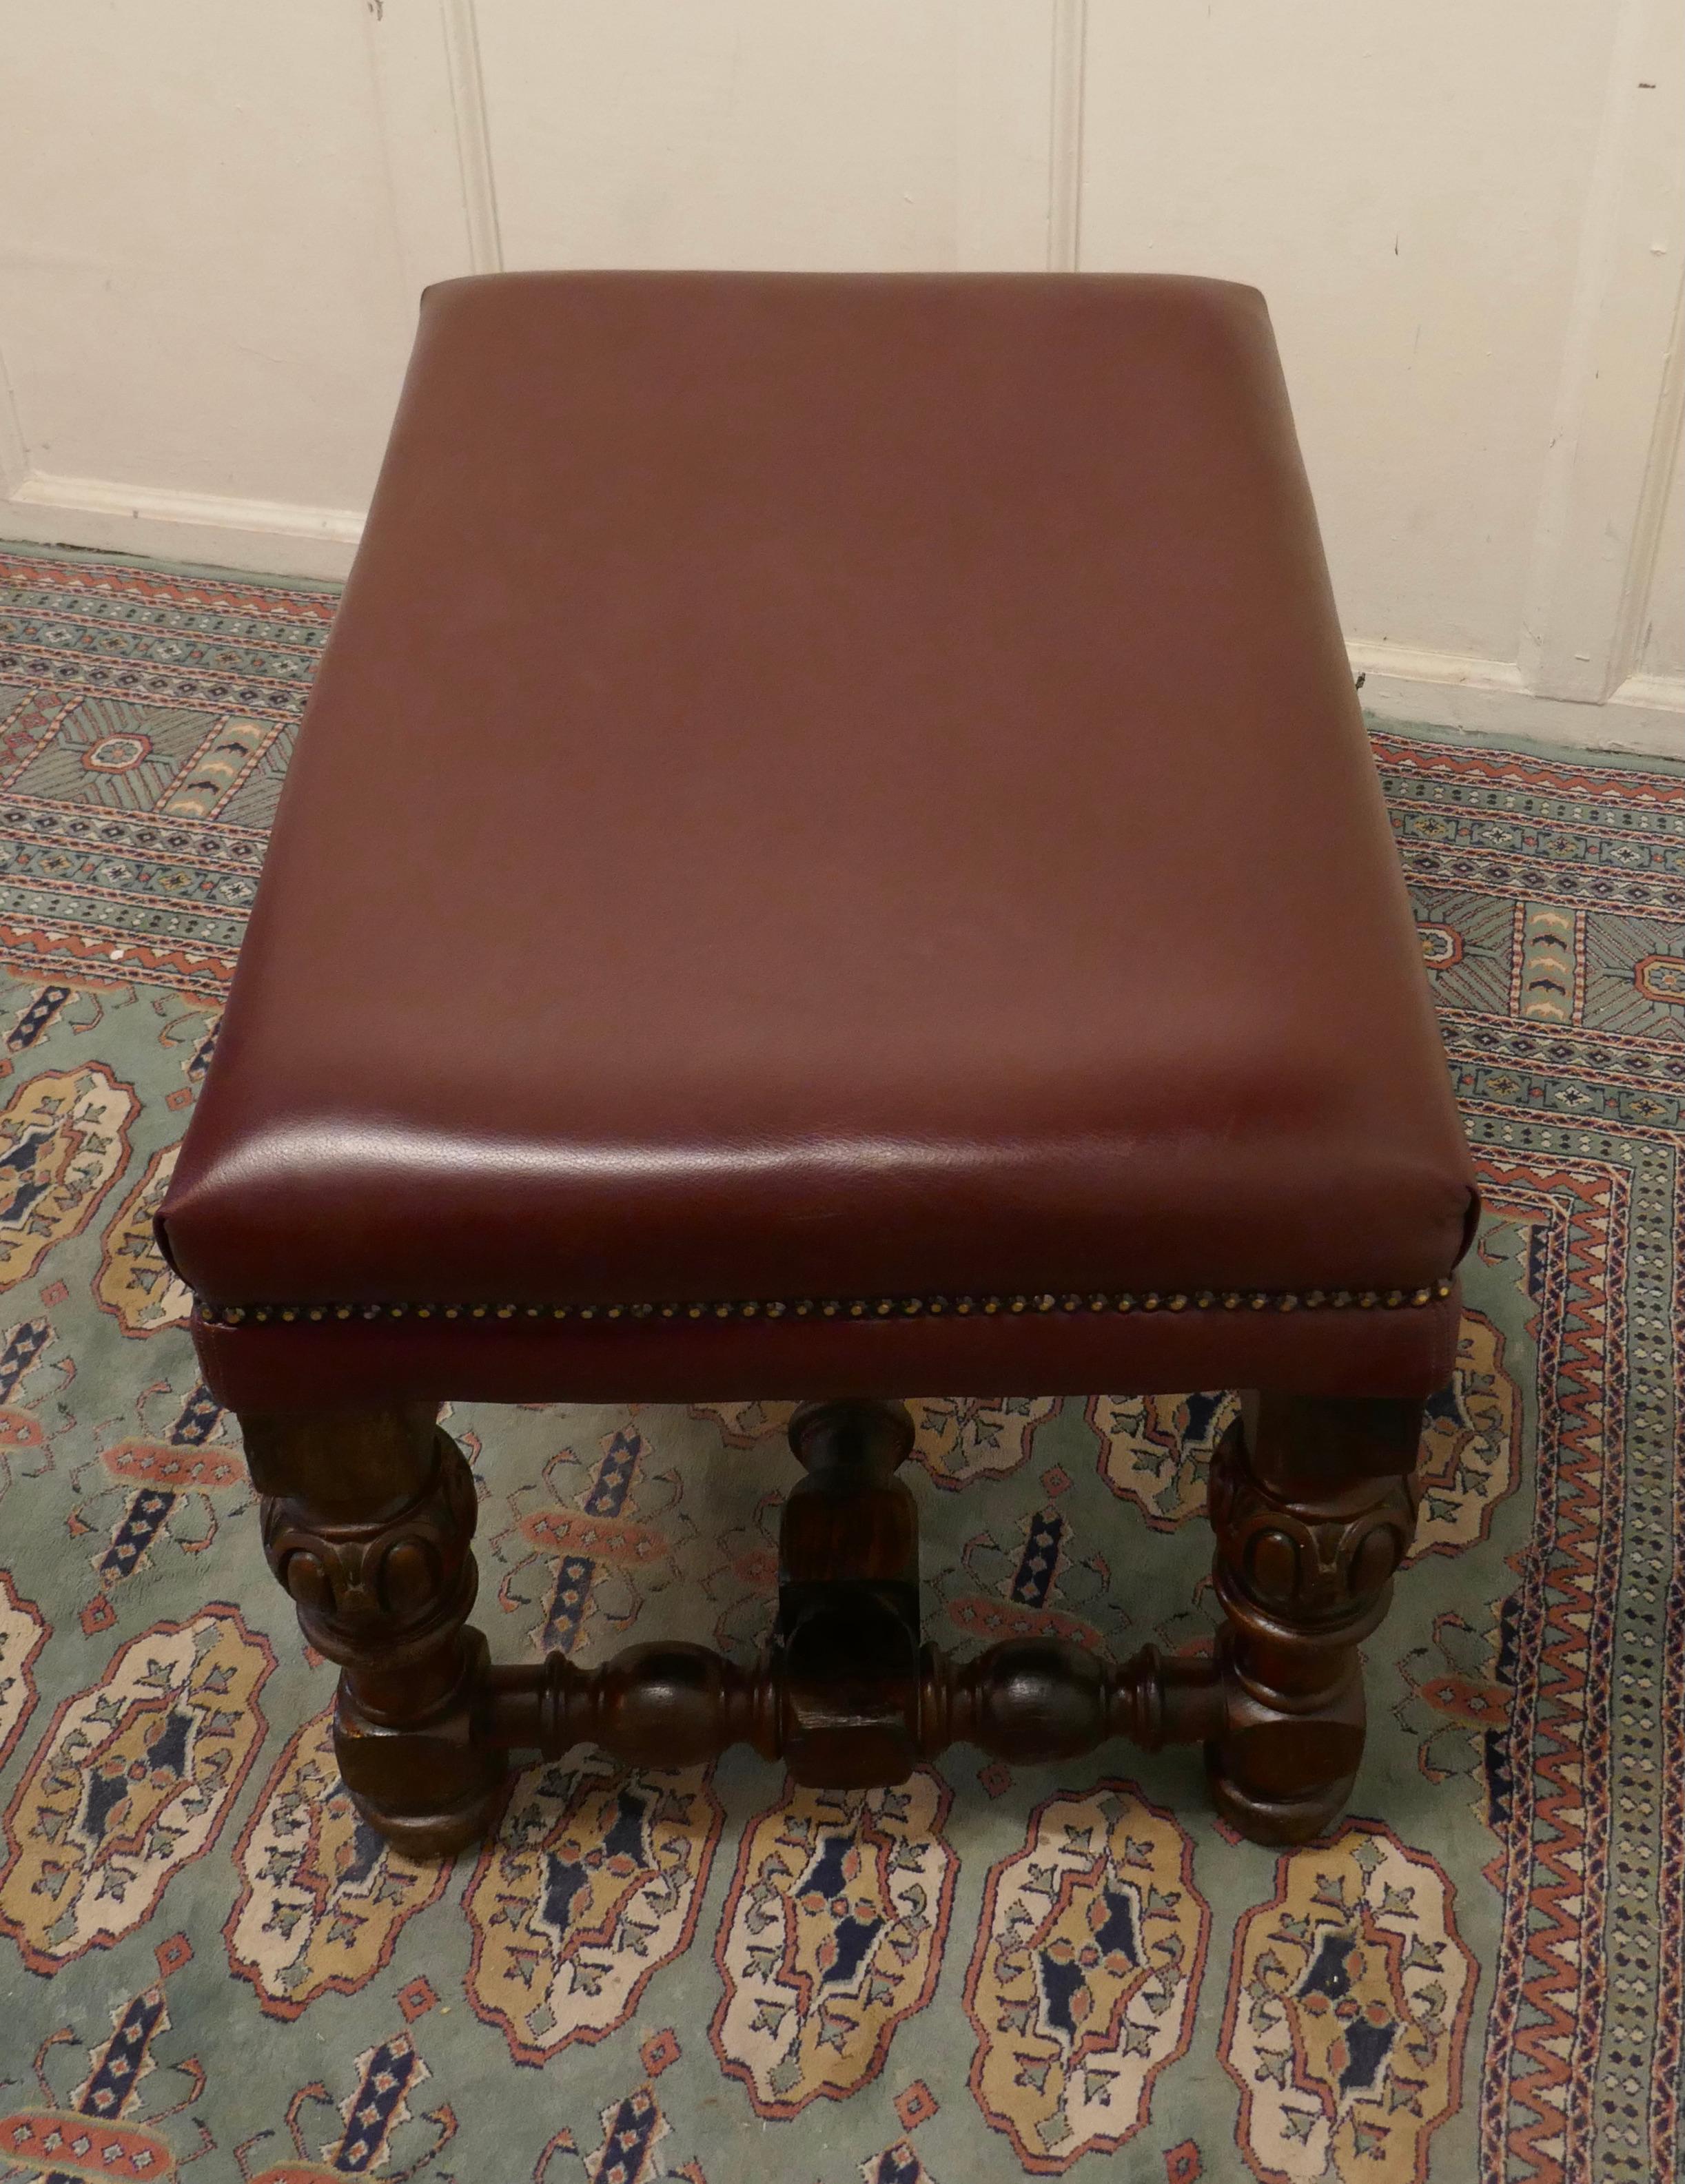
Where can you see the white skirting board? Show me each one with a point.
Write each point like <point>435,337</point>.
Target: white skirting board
<point>1646,715</point>
<point>262,537</point>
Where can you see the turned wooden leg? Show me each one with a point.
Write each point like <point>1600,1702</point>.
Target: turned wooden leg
<point>368,1518</point>
<point>846,1648</point>
<point>1314,1503</point>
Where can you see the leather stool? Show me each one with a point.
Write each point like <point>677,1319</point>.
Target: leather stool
<point>833,853</point>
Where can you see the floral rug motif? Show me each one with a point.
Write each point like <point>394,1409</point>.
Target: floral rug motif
<point>209,1966</point>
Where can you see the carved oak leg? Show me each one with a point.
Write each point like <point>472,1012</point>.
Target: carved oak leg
<point>1314,1503</point>
<point>368,1517</point>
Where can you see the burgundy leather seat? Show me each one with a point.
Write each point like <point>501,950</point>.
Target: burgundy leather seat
<point>833,847</point>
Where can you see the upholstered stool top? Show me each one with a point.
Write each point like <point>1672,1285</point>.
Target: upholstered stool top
<point>834,810</point>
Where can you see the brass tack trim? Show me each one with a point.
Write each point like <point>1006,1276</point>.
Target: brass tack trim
<point>1043,1303</point>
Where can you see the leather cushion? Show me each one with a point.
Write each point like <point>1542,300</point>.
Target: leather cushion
<point>828,785</point>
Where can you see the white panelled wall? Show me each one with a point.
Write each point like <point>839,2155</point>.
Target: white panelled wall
<point>216,216</point>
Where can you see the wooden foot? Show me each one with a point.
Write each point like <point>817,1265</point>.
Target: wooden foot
<point>367,1522</point>
<point>1313,1502</point>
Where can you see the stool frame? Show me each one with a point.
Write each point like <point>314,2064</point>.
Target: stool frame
<point>368,1523</point>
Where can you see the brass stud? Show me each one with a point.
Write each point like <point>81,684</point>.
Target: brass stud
<point>1178,1303</point>
<point>1421,1297</point>
<point>1204,1300</point>
<point>911,1308</point>
<point>1232,1300</point>
<point>1313,1299</point>
<point>777,1311</point>
<point>1258,1300</point>
<point>1123,1302</point>
<point>233,1315</point>
<point>885,1306</point>
<point>830,1308</point>
<point>1151,1301</point>
<point>937,1307</point>
<point>1366,1300</point>
<point>1287,1302</point>
<point>1343,1298</point>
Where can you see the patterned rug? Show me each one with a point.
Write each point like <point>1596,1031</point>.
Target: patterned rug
<point>206,1960</point>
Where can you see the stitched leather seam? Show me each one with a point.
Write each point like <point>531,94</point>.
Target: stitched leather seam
<point>857,1308</point>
